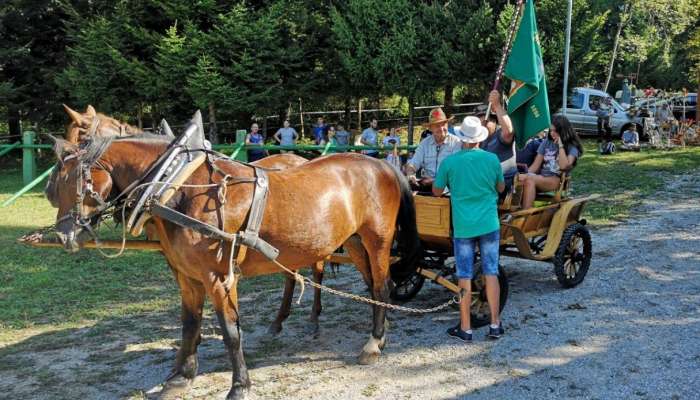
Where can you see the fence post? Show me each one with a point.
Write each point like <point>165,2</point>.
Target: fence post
<point>28,160</point>
<point>242,154</point>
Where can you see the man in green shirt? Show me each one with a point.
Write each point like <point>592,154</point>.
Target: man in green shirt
<point>474,178</point>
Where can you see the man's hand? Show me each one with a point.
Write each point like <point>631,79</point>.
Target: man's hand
<point>495,100</point>
<point>413,180</point>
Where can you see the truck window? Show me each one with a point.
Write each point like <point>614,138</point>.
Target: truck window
<point>575,100</point>
<point>595,101</point>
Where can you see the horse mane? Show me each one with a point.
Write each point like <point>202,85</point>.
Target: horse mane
<point>130,128</point>
<point>92,148</point>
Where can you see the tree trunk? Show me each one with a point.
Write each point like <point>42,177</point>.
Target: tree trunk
<point>346,108</point>
<point>139,116</point>
<point>626,9</point>
<point>411,107</point>
<point>301,119</point>
<point>359,115</point>
<point>14,123</point>
<point>213,133</point>
<point>449,99</point>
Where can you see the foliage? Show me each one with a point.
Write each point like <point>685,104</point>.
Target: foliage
<point>249,58</point>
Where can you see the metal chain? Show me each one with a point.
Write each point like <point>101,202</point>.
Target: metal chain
<point>300,278</point>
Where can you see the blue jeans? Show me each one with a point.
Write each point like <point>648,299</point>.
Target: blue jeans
<point>465,254</point>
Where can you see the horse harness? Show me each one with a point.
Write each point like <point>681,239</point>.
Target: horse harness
<point>148,200</point>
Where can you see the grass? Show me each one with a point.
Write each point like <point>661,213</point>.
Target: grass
<point>49,289</point>
<point>625,179</point>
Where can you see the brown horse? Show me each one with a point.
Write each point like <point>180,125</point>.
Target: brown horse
<point>349,200</point>
<point>79,129</point>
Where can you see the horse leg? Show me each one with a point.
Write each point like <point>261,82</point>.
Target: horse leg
<point>360,257</point>
<point>276,325</point>
<point>185,369</point>
<point>316,309</point>
<point>378,253</point>
<point>226,307</point>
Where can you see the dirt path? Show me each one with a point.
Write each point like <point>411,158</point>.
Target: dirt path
<point>630,330</point>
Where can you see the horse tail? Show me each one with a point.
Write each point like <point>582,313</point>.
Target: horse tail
<point>408,241</point>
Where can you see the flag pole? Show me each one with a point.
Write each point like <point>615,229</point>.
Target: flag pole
<point>506,50</point>
<point>566,56</point>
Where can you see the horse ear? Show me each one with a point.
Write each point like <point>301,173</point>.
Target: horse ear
<point>75,116</point>
<point>90,111</point>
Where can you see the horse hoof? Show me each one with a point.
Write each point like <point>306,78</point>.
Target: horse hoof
<point>237,393</point>
<point>313,328</point>
<point>176,388</point>
<point>274,329</point>
<point>368,358</point>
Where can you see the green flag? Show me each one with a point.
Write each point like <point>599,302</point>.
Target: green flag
<point>528,105</point>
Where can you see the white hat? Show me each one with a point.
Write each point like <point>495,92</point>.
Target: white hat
<point>471,131</point>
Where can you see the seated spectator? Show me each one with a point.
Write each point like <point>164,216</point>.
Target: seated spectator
<point>342,136</point>
<point>255,137</point>
<point>630,139</point>
<point>555,156</point>
<point>286,136</point>
<point>431,151</point>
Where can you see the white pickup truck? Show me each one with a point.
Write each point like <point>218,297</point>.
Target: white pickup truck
<point>580,110</point>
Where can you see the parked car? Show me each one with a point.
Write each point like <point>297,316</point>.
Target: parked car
<point>691,102</point>
<point>580,110</point>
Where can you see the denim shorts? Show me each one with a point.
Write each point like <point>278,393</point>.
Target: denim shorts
<point>465,254</point>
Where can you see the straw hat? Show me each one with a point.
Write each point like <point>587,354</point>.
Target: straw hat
<point>437,116</point>
<point>471,131</point>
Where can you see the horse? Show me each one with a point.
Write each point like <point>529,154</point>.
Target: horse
<point>92,123</point>
<point>349,199</point>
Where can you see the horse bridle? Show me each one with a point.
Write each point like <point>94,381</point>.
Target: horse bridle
<point>85,188</point>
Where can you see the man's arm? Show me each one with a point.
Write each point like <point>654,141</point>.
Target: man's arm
<point>500,180</point>
<point>439,191</point>
<point>504,121</point>
<point>500,187</point>
<point>440,181</point>
<point>277,136</point>
<point>416,161</point>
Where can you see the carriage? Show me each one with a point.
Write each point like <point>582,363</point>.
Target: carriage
<point>552,232</point>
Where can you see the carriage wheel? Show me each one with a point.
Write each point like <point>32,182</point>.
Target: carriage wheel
<point>479,308</point>
<point>537,244</point>
<point>407,288</point>
<point>480,313</point>
<point>573,257</point>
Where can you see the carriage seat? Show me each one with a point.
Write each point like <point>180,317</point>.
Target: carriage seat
<point>557,195</point>
<point>513,199</point>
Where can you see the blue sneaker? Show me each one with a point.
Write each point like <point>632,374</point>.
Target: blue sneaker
<point>457,333</point>
<point>496,333</point>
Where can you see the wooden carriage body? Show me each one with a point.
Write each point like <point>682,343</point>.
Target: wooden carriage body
<point>433,217</point>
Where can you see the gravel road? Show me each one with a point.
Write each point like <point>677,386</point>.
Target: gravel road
<point>630,330</point>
